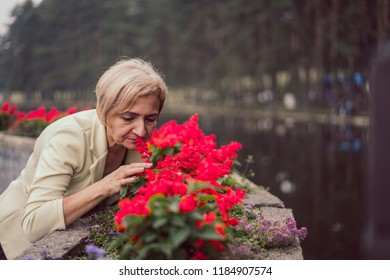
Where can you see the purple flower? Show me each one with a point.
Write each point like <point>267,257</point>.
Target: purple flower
<point>249,227</point>
<point>28,258</point>
<point>94,252</point>
<point>302,233</point>
<point>250,206</point>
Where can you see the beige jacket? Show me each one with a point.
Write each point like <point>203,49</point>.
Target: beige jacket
<point>68,156</point>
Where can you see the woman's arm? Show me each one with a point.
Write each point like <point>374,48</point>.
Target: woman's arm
<point>62,156</point>
<point>78,204</point>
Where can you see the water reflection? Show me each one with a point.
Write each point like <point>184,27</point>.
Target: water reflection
<point>318,170</point>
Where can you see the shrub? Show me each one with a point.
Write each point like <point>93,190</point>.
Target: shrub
<point>30,124</point>
<point>180,208</point>
<point>7,115</point>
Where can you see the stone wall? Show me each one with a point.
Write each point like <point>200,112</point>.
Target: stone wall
<point>14,153</point>
<point>72,240</point>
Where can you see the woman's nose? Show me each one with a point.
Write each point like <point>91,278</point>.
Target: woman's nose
<point>140,129</point>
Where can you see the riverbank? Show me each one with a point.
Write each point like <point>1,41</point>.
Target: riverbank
<point>275,112</point>
<point>188,103</point>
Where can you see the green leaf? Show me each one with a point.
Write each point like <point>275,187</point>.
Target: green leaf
<point>129,190</point>
<point>166,248</point>
<point>158,205</point>
<point>123,191</point>
<point>117,242</point>
<point>178,220</point>
<point>133,220</point>
<point>160,222</point>
<point>229,181</point>
<point>142,253</point>
<point>208,232</point>
<point>179,236</point>
<point>149,236</point>
<point>174,205</point>
<point>169,151</point>
<point>194,186</point>
<point>126,251</point>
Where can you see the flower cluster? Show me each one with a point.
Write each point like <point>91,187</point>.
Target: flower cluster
<point>30,123</point>
<point>265,233</point>
<point>95,253</point>
<point>7,115</point>
<point>179,209</point>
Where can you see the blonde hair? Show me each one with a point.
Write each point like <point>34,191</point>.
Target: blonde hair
<point>123,83</point>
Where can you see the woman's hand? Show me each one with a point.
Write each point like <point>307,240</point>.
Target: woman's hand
<point>81,202</point>
<point>124,175</point>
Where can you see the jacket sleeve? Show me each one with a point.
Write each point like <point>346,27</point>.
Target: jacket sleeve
<point>60,158</point>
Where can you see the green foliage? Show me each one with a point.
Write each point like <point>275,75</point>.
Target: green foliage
<point>158,154</point>
<point>5,121</point>
<point>225,45</point>
<point>248,172</point>
<point>244,241</point>
<point>102,232</point>
<point>173,236</point>
<point>30,128</point>
<point>130,189</point>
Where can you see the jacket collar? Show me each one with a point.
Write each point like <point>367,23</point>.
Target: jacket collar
<point>99,150</point>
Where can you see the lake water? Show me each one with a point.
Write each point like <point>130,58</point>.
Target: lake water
<point>317,170</point>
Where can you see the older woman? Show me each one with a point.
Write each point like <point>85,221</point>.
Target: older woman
<point>83,159</point>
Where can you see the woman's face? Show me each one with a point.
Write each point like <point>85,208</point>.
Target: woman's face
<point>140,120</point>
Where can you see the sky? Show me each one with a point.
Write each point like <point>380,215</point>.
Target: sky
<point>6,7</point>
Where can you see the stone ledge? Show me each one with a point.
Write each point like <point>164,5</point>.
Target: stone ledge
<point>293,252</point>
<point>14,153</point>
<point>259,198</point>
<point>63,244</point>
<point>17,142</point>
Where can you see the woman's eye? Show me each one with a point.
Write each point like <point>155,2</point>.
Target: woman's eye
<point>151,119</point>
<point>127,119</point>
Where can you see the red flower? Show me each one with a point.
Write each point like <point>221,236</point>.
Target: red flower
<point>188,203</point>
<point>71,110</point>
<point>37,114</point>
<point>20,115</point>
<point>52,115</point>
<point>209,217</point>
<point>218,245</point>
<point>142,148</point>
<point>130,207</point>
<point>220,229</point>
<point>199,255</point>
<point>231,222</point>
<point>8,109</point>
<point>5,107</point>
